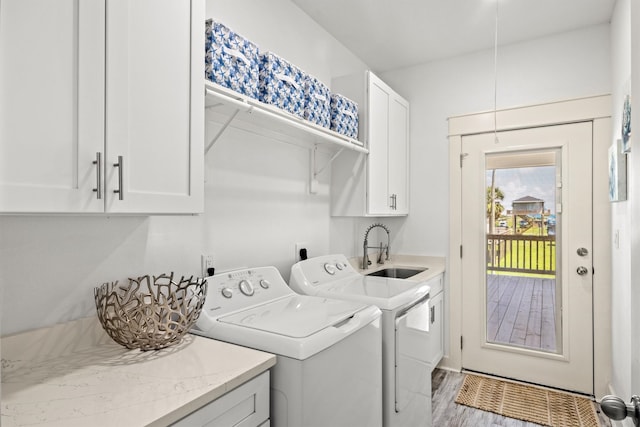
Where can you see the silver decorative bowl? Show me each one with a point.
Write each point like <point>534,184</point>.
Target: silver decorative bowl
<point>150,312</point>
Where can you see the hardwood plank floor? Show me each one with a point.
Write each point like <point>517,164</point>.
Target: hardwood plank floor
<point>447,413</point>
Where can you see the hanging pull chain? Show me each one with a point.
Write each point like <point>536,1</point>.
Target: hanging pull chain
<point>495,78</point>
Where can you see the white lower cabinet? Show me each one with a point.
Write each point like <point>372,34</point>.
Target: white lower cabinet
<point>101,106</point>
<point>436,321</point>
<point>245,406</point>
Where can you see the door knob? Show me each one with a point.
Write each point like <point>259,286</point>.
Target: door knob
<point>616,409</point>
<point>582,270</point>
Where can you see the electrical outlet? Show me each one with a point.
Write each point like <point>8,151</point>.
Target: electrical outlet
<point>207,263</point>
<point>300,246</point>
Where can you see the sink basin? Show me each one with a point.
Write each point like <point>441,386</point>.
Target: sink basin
<point>397,273</point>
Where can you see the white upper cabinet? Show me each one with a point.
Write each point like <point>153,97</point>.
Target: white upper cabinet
<point>86,83</point>
<point>377,185</point>
<point>155,106</point>
<point>51,104</point>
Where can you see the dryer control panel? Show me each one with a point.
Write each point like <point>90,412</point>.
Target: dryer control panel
<point>240,289</point>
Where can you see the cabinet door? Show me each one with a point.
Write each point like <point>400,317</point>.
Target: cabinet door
<point>398,170</point>
<point>51,104</point>
<point>155,106</point>
<point>378,137</point>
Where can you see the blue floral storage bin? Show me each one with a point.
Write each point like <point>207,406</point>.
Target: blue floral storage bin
<point>317,102</point>
<point>231,60</point>
<point>281,84</point>
<point>344,116</point>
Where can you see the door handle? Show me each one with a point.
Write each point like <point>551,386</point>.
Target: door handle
<point>98,163</point>
<point>582,270</point>
<point>120,166</point>
<point>615,408</point>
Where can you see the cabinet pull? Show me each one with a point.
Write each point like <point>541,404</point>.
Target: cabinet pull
<point>98,163</point>
<point>120,166</point>
<point>433,314</point>
<point>394,202</point>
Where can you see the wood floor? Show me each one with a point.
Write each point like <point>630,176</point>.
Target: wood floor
<point>447,413</point>
<point>520,311</point>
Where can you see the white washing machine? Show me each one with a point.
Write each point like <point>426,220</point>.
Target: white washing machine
<point>406,380</point>
<point>328,351</point>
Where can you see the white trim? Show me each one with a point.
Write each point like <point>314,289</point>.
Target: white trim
<point>596,109</point>
<point>559,112</point>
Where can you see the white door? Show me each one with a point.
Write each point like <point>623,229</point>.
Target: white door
<point>155,106</point>
<point>527,273</point>
<point>51,105</point>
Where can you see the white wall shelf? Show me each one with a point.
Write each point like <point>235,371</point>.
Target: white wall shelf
<point>232,109</point>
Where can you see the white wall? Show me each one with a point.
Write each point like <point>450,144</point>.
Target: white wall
<point>634,205</point>
<point>257,203</point>
<point>621,213</point>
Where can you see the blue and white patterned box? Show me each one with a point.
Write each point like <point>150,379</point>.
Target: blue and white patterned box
<point>281,84</point>
<point>344,116</point>
<point>231,60</point>
<point>317,102</point>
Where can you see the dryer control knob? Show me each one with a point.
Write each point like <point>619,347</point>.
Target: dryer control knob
<point>329,268</point>
<point>264,283</point>
<point>246,287</point>
<point>339,266</point>
<point>226,292</point>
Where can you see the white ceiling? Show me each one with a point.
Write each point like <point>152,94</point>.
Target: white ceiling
<point>391,34</point>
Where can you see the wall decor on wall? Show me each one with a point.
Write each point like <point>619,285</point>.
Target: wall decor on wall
<point>617,172</point>
<point>626,125</point>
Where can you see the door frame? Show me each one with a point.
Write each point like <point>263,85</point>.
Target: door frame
<point>596,109</point>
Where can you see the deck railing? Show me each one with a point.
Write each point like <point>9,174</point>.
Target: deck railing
<point>521,253</point>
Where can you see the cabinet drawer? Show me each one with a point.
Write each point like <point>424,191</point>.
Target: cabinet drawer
<point>245,406</point>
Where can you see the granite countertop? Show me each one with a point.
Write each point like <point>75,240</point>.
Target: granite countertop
<point>434,265</point>
<point>74,375</point>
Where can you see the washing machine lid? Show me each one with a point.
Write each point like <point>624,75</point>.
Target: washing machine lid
<point>296,327</point>
<point>383,292</point>
<point>296,316</point>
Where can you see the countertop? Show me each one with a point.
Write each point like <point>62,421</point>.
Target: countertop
<point>75,375</point>
<point>434,265</point>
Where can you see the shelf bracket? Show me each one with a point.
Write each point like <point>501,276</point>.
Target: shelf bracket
<point>221,131</point>
<point>240,106</point>
<point>315,171</point>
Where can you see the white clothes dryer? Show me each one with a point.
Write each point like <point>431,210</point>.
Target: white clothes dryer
<point>406,374</point>
<point>328,351</point>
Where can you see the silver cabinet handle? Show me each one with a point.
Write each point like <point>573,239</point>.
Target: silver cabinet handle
<point>120,166</point>
<point>433,314</point>
<point>98,163</point>
<point>394,204</point>
<point>582,270</point>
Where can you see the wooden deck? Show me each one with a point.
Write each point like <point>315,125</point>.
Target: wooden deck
<point>520,311</point>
